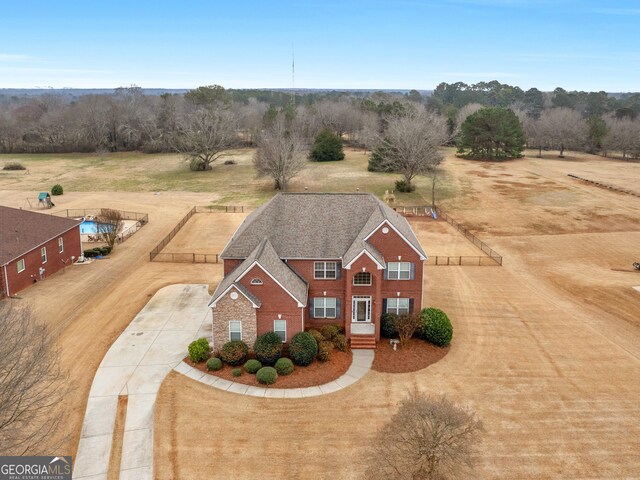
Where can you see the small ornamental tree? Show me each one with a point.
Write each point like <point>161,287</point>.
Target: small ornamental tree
<point>492,134</point>
<point>406,325</point>
<point>428,438</point>
<point>327,147</point>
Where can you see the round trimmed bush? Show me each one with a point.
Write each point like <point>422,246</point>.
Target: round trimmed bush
<point>324,350</point>
<point>214,364</point>
<point>57,189</point>
<point>436,327</point>
<point>236,372</point>
<point>267,375</point>
<point>303,348</point>
<point>268,348</point>
<point>388,325</point>
<point>329,331</point>
<point>284,366</point>
<point>199,350</point>
<point>340,342</point>
<point>316,334</point>
<point>234,353</point>
<point>252,366</point>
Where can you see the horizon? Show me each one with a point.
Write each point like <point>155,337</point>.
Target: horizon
<point>357,45</point>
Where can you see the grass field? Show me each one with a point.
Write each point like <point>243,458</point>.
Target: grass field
<point>546,348</point>
<point>233,184</point>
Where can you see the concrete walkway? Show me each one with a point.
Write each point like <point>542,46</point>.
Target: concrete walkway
<point>361,364</point>
<point>154,342</point>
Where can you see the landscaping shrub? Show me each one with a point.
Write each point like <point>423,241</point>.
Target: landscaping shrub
<point>324,350</point>
<point>403,186</point>
<point>316,334</point>
<point>407,325</point>
<point>14,166</point>
<point>236,372</point>
<point>104,251</point>
<point>267,375</point>
<point>435,327</point>
<point>388,325</point>
<point>252,366</point>
<point>303,348</point>
<point>340,342</point>
<point>90,253</point>
<point>268,348</point>
<point>214,364</point>
<point>234,353</point>
<point>199,350</point>
<point>284,366</point>
<point>329,331</point>
<point>56,189</point>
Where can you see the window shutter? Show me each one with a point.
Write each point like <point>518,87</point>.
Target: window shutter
<point>411,304</point>
<point>311,308</point>
<point>412,275</point>
<point>337,308</point>
<point>338,270</point>
<point>386,272</point>
<point>384,304</point>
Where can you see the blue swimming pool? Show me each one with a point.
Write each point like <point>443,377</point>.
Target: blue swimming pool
<point>89,227</point>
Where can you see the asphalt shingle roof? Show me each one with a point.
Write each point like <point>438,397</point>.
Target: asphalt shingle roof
<point>21,231</point>
<point>315,225</point>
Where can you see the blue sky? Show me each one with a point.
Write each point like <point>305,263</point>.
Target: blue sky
<point>582,45</point>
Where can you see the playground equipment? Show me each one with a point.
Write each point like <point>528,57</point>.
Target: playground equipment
<point>44,200</point>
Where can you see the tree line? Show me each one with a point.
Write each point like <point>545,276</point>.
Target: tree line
<point>190,123</point>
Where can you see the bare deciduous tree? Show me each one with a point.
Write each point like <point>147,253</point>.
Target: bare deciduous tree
<point>281,154</point>
<point>427,439</point>
<point>413,142</point>
<point>623,135</point>
<point>563,128</point>
<point>109,224</point>
<point>31,382</point>
<point>204,134</point>
<point>406,325</point>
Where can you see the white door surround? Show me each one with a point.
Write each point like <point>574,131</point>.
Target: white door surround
<point>361,309</point>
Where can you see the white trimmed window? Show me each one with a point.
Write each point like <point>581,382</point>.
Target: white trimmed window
<point>362,278</point>
<point>399,270</point>
<point>21,266</point>
<point>280,329</point>
<point>399,306</point>
<point>324,307</point>
<point>325,270</point>
<point>256,281</point>
<point>60,245</point>
<point>43,254</point>
<point>235,330</point>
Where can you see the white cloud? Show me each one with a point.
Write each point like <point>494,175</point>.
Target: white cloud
<point>9,57</point>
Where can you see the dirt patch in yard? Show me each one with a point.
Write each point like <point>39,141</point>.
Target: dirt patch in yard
<point>318,373</point>
<point>415,355</point>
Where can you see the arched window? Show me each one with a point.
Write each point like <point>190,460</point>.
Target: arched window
<point>256,281</point>
<point>362,278</point>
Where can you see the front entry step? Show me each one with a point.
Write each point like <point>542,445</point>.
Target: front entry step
<point>363,341</point>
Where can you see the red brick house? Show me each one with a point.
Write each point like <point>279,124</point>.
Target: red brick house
<point>34,246</point>
<point>307,259</point>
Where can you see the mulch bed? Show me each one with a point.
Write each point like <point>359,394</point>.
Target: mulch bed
<point>318,373</point>
<point>415,355</point>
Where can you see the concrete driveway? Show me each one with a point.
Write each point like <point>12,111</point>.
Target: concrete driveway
<point>155,342</point>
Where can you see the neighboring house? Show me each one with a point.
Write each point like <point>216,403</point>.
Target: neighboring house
<point>307,259</point>
<point>34,246</point>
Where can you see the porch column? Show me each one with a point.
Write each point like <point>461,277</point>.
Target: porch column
<point>377,303</point>
<point>347,303</point>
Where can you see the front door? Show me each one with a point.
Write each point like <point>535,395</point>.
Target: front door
<point>361,309</point>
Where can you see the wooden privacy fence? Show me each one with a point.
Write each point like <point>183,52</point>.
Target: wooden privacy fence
<point>493,258</point>
<point>186,257</point>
